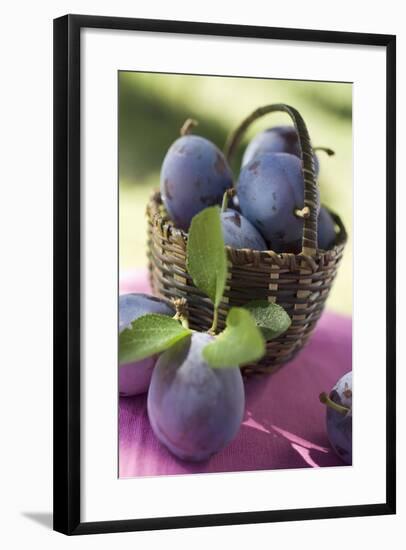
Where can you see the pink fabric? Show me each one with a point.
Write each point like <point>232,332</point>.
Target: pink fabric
<point>135,280</point>
<point>284,425</point>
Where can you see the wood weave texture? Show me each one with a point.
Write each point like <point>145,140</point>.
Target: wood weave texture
<point>298,282</point>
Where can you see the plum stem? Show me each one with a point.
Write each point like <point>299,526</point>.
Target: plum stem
<point>302,212</point>
<point>227,195</point>
<point>187,126</point>
<point>325,399</point>
<point>326,150</point>
<point>184,322</point>
<point>213,327</point>
<point>181,313</point>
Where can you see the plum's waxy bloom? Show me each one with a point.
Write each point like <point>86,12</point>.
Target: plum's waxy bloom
<point>194,410</point>
<point>270,190</point>
<point>279,139</point>
<point>238,232</point>
<point>194,175</point>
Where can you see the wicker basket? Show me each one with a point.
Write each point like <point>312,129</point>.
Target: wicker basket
<point>299,282</point>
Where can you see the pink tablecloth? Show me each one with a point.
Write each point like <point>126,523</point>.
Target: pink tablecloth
<point>284,425</point>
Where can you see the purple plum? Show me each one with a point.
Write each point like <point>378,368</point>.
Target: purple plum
<point>270,189</point>
<point>326,234</point>
<point>339,417</point>
<point>279,139</point>
<point>194,175</point>
<point>238,232</point>
<point>194,410</point>
<point>134,378</point>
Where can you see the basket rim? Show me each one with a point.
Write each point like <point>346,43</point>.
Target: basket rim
<point>169,229</point>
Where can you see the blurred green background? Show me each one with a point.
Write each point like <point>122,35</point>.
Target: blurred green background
<point>153,107</point>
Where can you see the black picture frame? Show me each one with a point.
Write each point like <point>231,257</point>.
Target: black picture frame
<point>67,280</point>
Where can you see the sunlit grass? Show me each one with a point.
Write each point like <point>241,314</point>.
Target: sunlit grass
<point>133,222</point>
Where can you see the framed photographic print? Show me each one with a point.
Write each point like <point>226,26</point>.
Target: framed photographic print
<point>224,268</point>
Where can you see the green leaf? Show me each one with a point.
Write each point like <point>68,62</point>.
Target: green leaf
<point>206,255</point>
<point>241,342</point>
<point>272,319</point>
<point>148,335</point>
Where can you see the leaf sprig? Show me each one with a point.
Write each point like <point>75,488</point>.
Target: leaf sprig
<point>206,258</point>
<point>240,343</point>
<point>148,335</point>
<point>247,328</point>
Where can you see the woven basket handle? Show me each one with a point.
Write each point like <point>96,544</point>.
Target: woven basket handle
<point>309,238</point>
